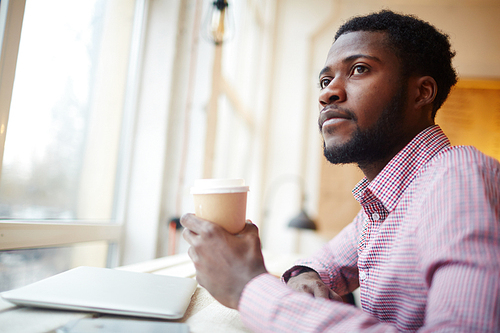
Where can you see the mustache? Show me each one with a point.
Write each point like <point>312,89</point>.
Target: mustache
<point>335,111</point>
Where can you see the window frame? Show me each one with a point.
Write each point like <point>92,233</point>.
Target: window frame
<point>25,234</point>
<point>11,21</point>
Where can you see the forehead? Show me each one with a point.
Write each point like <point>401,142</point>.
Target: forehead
<point>362,43</point>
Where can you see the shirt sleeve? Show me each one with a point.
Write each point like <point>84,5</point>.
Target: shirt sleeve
<point>336,262</point>
<point>268,305</point>
<point>459,246</point>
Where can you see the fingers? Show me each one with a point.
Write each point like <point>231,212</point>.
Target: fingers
<point>189,236</point>
<point>191,222</point>
<point>198,225</point>
<point>334,296</point>
<point>192,254</point>
<point>309,282</point>
<point>321,290</point>
<point>315,290</point>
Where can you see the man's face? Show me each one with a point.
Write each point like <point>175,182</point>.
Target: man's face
<point>362,100</point>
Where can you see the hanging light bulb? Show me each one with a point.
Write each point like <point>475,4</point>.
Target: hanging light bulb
<point>218,26</point>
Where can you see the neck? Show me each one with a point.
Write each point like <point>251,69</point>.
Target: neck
<point>372,169</point>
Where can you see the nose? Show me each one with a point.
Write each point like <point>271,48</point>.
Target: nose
<point>334,92</point>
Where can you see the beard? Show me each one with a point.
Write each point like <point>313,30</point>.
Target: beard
<point>375,143</point>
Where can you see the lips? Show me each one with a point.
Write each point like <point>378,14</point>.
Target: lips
<point>332,115</point>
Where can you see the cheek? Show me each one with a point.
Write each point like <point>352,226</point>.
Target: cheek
<point>368,104</point>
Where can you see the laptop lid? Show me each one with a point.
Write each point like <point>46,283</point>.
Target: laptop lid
<point>111,291</point>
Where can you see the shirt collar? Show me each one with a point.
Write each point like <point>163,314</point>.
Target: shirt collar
<point>392,181</point>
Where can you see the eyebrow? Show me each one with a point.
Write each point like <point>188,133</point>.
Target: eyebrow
<point>349,59</point>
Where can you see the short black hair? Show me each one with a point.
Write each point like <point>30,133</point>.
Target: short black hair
<point>421,48</point>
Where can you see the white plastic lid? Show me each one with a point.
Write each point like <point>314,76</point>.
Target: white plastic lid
<point>207,186</point>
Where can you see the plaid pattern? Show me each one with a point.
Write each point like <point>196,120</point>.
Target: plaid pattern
<point>424,250</point>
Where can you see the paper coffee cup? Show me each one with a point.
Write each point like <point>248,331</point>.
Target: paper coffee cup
<point>222,201</point>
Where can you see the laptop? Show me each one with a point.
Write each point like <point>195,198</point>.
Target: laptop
<point>105,290</point>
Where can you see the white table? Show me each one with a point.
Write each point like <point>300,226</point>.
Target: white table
<point>204,313</point>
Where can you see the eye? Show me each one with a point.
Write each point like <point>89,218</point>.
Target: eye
<point>359,69</point>
<point>324,82</point>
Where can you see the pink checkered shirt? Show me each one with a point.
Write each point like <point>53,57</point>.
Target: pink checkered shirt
<point>424,250</point>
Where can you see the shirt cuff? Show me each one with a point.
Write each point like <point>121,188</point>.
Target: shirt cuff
<point>294,271</point>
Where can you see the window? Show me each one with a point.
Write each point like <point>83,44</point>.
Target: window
<point>62,171</point>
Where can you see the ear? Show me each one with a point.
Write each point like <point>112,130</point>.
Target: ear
<point>427,90</point>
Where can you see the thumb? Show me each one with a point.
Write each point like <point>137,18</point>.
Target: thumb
<point>249,228</point>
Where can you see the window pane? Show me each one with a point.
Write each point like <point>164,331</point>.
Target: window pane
<point>21,267</point>
<point>61,149</point>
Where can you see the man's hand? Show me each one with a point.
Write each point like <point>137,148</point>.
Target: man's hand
<point>224,262</point>
<point>309,282</point>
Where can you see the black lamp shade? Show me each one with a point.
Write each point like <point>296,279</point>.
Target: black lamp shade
<point>302,221</point>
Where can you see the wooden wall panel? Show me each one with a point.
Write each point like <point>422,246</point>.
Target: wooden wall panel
<point>337,207</point>
<point>471,115</point>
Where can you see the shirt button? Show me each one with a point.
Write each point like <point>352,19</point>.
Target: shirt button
<point>375,217</point>
<point>362,276</point>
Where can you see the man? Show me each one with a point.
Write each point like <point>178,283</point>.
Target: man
<point>424,248</point>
